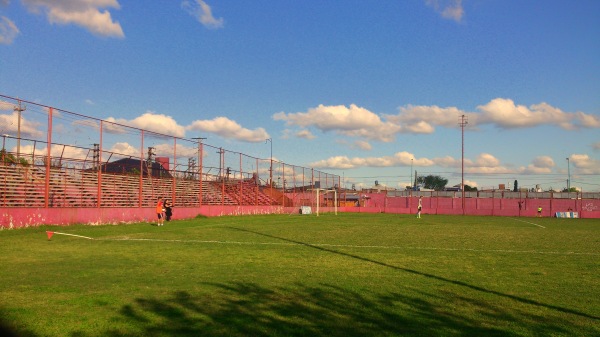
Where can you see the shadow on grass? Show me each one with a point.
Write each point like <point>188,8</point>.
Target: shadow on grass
<point>247,309</point>
<point>439,278</point>
<point>10,330</point>
<point>241,309</point>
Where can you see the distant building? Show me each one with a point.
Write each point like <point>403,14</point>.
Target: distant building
<point>132,166</point>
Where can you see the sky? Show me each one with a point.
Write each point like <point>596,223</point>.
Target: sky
<point>368,90</point>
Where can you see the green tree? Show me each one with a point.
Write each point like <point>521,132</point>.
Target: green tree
<point>10,159</point>
<point>516,188</point>
<point>572,189</point>
<point>436,183</point>
<point>470,189</point>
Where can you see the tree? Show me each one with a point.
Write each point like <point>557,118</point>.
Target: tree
<point>516,188</point>
<point>470,189</point>
<point>10,159</point>
<point>436,183</point>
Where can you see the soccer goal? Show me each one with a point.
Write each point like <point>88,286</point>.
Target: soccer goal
<point>322,198</point>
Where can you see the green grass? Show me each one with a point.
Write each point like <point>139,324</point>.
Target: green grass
<point>300,275</point>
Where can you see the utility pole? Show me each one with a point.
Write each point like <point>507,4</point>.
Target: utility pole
<point>569,175</point>
<point>19,110</point>
<point>271,159</point>
<point>411,166</point>
<point>463,122</point>
<point>96,157</point>
<point>149,161</point>
<point>199,139</point>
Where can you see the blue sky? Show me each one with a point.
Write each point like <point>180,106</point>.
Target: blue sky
<point>363,89</point>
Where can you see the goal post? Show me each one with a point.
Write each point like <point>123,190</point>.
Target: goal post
<point>324,191</point>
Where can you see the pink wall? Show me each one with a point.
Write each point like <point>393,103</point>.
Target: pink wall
<point>376,203</point>
<point>28,217</point>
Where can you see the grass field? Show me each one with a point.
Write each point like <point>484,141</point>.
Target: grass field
<point>301,275</point>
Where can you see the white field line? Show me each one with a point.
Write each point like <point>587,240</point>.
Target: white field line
<point>79,236</point>
<point>527,222</point>
<point>354,246</point>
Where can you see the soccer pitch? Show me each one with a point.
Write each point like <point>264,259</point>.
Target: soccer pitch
<point>303,275</point>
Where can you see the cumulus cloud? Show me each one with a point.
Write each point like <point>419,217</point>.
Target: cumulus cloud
<point>584,164</point>
<point>500,112</point>
<point>539,165</point>
<point>505,114</point>
<point>422,118</point>
<point>360,144</point>
<point>470,183</point>
<point>9,124</point>
<point>448,9</point>
<point>7,105</point>
<point>305,134</point>
<point>359,122</point>
<point>543,162</point>
<point>57,151</point>
<point>351,121</point>
<point>89,14</point>
<point>398,159</point>
<point>8,30</point>
<point>203,13</point>
<point>228,128</point>
<point>150,121</point>
<point>484,163</point>
<point>125,149</point>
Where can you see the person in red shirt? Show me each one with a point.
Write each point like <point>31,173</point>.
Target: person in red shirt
<point>160,212</point>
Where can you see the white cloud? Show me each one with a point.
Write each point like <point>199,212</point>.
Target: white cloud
<point>363,145</point>
<point>150,121</point>
<point>203,13</point>
<point>305,134</point>
<point>125,149</point>
<point>87,14</point>
<point>398,159</point>
<point>543,162</point>
<point>228,128</point>
<point>501,112</point>
<point>7,106</point>
<point>359,122</point>
<point>470,183</point>
<point>419,118</point>
<point>584,164</point>
<point>8,30</point>
<point>449,9</point>
<point>9,124</point>
<point>56,151</point>
<point>505,114</point>
<point>539,165</point>
<point>588,121</point>
<point>351,121</point>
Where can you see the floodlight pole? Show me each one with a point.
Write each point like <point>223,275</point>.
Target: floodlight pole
<point>463,122</point>
<point>19,110</point>
<point>200,157</point>
<point>271,160</point>
<point>569,176</point>
<point>411,168</point>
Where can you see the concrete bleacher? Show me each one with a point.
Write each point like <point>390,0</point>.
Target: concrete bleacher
<point>26,187</point>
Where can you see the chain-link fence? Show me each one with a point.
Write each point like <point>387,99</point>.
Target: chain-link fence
<point>56,158</point>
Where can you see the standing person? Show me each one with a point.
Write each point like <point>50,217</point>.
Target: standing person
<point>520,207</point>
<point>159,212</point>
<point>539,212</point>
<point>419,207</point>
<point>168,209</point>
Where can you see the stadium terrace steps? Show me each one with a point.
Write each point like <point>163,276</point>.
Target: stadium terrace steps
<point>69,187</point>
